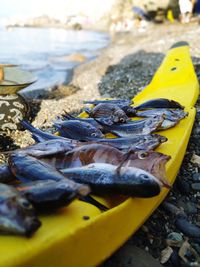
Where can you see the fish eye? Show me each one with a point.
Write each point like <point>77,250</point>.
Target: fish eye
<point>121,120</point>
<point>144,176</point>
<point>93,134</point>
<point>142,155</point>
<point>25,204</point>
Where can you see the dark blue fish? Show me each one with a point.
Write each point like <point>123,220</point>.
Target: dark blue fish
<point>38,135</point>
<point>17,215</point>
<point>48,195</point>
<point>78,130</point>
<point>92,121</point>
<point>6,175</point>
<point>159,103</point>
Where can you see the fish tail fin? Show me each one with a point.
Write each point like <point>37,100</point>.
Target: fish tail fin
<point>68,116</point>
<point>37,134</point>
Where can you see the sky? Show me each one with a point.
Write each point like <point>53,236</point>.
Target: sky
<point>55,8</point>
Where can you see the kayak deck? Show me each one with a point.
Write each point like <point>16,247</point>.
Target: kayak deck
<point>80,235</point>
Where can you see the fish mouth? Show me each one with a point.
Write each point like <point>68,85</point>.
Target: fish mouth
<point>159,171</point>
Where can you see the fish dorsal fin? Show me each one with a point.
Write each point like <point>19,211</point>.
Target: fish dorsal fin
<point>68,116</point>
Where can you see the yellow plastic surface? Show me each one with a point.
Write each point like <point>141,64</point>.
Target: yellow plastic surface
<point>65,238</point>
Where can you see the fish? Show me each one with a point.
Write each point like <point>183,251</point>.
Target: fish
<point>48,195</point>
<point>111,111</point>
<point>48,148</point>
<point>108,179</point>
<point>27,168</point>
<point>6,175</point>
<point>152,162</point>
<point>78,130</point>
<point>169,114</point>
<point>159,103</point>
<point>67,116</point>
<point>85,154</point>
<point>172,116</point>
<point>39,135</point>
<point>139,127</point>
<point>17,215</point>
<point>138,142</point>
<point>123,104</point>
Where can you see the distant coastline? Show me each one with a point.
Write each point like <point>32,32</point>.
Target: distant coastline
<point>77,22</point>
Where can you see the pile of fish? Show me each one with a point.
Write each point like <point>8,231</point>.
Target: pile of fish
<point>80,160</point>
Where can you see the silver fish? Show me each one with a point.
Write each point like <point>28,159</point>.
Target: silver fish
<point>137,142</point>
<point>107,178</point>
<point>17,215</point>
<point>132,128</point>
<point>169,114</point>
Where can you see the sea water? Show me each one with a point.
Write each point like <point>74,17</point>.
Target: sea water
<point>43,51</point>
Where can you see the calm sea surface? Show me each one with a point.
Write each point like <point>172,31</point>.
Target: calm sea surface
<point>43,51</point>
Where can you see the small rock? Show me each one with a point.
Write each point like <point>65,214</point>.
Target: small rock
<point>165,254</point>
<point>183,186</point>
<point>172,209</point>
<point>188,206</point>
<point>174,239</point>
<point>196,186</point>
<point>196,177</point>
<point>187,228</point>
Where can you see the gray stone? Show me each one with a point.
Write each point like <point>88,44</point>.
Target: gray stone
<point>132,256</point>
<point>196,177</point>
<point>196,186</point>
<point>188,206</point>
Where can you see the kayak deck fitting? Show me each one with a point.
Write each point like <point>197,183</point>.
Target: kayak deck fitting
<point>80,235</point>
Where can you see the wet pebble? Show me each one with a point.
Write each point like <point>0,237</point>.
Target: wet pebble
<point>195,186</point>
<point>196,177</point>
<point>188,206</point>
<point>183,186</point>
<point>174,239</point>
<point>187,228</point>
<point>173,210</point>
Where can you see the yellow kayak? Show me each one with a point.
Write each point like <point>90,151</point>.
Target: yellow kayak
<point>80,235</point>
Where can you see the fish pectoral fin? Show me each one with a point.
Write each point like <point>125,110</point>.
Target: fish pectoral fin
<point>125,158</point>
<point>89,199</point>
